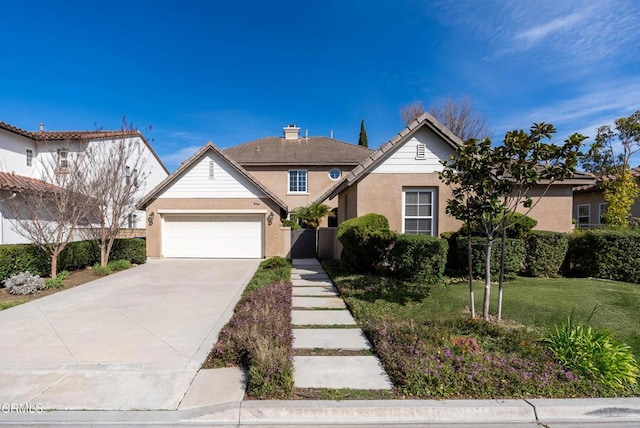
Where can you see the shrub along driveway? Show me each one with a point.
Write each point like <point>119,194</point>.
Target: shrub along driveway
<point>132,340</point>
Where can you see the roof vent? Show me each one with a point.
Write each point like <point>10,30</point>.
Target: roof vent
<point>291,132</point>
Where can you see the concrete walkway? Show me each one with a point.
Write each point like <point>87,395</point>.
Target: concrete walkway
<point>322,324</point>
<point>130,341</point>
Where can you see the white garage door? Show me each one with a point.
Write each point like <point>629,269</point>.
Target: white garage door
<point>213,236</point>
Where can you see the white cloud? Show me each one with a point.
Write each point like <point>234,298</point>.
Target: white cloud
<point>536,34</point>
<point>173,160</point>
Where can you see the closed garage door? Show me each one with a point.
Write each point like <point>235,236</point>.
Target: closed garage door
<point>213,236</point>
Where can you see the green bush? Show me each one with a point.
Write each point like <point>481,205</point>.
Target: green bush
<point>606,254</point>
<point>101,270</point>
<point>546,252</point>
<point>519,225</point>
<point>291,223</point>
<point>132,249</point>
<point>594,354</point>
<point>514,256</point>
<point>16,258</point>
<point>419,258</point>
<point>118,265</point>
<point>78,255</point>
<point>365,242</point>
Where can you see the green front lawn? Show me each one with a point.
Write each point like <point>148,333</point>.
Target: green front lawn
<point>422,335</point>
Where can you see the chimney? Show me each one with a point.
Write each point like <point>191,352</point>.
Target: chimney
<point>291,132</point>
<point>41,127</point>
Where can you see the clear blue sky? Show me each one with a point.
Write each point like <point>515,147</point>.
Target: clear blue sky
<point>233,71</point>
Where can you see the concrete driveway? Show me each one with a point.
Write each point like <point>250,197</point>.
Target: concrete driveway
<point>132,340</point>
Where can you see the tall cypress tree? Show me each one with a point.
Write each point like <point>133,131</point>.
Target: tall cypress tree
<point>362,141</point>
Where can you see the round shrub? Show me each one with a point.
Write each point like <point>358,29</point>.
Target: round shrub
<point>365,242</point>
<point>24,283</point>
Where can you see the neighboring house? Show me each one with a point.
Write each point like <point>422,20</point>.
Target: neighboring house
<point>589,205</point>
<point>298,169</point>
<point>211,207</point>
<point>400,181</point>
<point>22,154</point>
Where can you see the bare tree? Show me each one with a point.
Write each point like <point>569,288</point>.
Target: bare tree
<point>411,112</point>
<point>459,116</point>
<point>48,211</point>
<point>115,181</point>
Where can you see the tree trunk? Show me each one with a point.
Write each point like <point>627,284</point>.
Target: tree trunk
<point>472,302</point>
<point>54,264</point>
<point>501,279</point>
<point>104,257</point>
<point>487,279</point>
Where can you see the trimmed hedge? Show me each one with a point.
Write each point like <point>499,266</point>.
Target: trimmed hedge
<point>514,256</point>
<point>16,258</point>
<point>419,258</point>
<point>365,242</point>
<point>546,252</point>
<point>604,254</point>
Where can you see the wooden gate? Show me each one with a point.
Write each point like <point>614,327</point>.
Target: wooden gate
<point>303,244</point>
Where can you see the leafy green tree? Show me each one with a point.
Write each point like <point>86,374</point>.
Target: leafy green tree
<point>491,183</point>
<point>311,215</point>
<point>611,154</point>
<point>362,141</point>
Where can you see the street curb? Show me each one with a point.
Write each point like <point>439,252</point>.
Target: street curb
<point>356,412</point>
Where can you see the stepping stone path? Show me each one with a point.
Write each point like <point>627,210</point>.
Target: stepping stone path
<point>328,325</point>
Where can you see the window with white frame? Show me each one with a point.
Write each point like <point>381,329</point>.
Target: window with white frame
<point>63,158</point>
<point>584,214</point>
<point>297,181</point>
<point>29,157</point>
<point>603,210</point>
<point>417,211</point>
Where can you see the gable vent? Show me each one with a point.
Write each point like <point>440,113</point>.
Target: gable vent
<point>421,151</point>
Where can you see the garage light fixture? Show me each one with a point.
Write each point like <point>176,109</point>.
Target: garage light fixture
<point>150,219</point>
<point>270,218</point>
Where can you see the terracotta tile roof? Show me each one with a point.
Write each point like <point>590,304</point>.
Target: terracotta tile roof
<point>300,151</point>
<point>186,164</point>
<point>597,184</point>
<point>83,135</point>
<point>15,129</point>
<point>16,182</point>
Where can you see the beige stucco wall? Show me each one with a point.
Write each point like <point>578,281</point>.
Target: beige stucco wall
<point>274,239</point>
<point>276,179</point>
<point>594,199</point>
<point>382,194</point>
<point>554,211</point>
<point>347,203</point>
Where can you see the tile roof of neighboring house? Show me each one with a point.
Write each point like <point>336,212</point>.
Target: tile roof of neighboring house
<point>81,136</point>
<point>186,164</point>
<point>16,182</point>
<point>299,151</point>
<point>596,186</point>
<point>380,155</point>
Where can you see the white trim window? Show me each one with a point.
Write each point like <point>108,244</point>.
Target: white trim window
<point>584,214</point>
<point>63,158</point>
<point>297,181</point>
<point>603,209</point>
<point>418,211</point>
<point>29,157</point>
